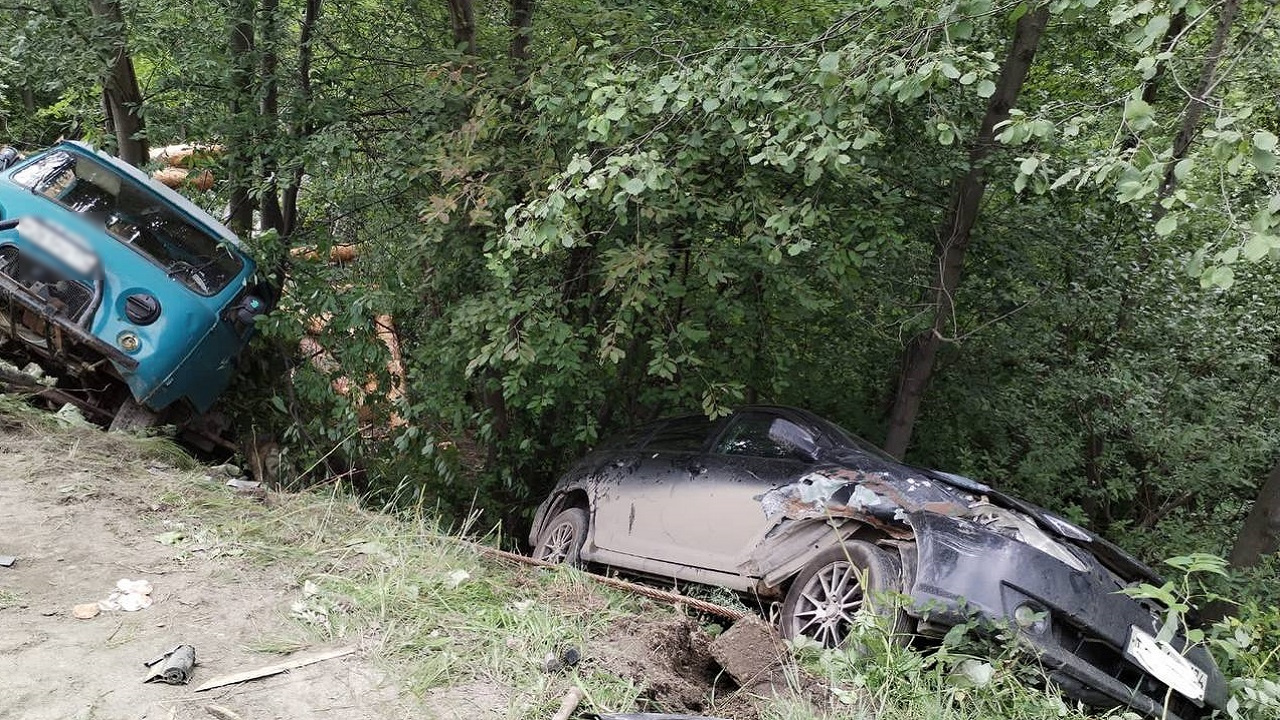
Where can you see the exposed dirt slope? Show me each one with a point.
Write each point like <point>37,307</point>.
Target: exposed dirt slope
<point>77,525</point>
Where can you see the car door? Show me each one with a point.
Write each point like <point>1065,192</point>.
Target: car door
<point>700,506</point>
<point>631,514</point>
<point>720,514</point>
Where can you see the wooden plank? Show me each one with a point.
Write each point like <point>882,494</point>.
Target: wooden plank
<point>275,669</point>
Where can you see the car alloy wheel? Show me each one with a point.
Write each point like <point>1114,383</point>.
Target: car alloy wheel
<point>827,595</point>
<point>562,539</point>
<point>828,604</point>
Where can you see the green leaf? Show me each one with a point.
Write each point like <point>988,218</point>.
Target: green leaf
<point>1166,225</point>
<point>1265,140</point>
<point>1261,220</point>
<point>986,89</point>
<point>1182,168</point>
<point>829,62</point>
<point>1263,160</point>
<point>1065,178</point>
<point>634,186</point>
<point>1221,276</point>
<point>710,104</point>
<point>1138,114</point>
<point>1258,247</point>
<point>1029,165</point>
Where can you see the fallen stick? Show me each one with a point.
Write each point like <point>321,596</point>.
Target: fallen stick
<point>222,713</point>
<point>275,669</point>
<point>569,703</point>
<point>645,590</point>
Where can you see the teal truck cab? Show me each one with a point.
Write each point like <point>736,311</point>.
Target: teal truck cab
<point>132,296</point>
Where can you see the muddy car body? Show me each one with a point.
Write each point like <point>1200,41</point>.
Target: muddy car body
<point>118,282</point>
<point>782,504</point>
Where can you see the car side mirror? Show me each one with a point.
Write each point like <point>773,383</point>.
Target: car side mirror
<point>8,156</point>
<point>800,441</point>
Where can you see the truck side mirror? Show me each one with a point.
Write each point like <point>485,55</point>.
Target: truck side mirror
<point>249,308</point>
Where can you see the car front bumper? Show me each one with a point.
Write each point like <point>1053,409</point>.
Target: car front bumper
<point>57,327</point>
<point>964,572</point>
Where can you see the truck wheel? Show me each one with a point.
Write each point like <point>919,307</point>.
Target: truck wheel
<point>132,417</point>
<point>838,583</point>
<point>561,540</point>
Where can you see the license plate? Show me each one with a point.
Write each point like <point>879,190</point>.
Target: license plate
<point>55,242</point>
<point>1165,664</point>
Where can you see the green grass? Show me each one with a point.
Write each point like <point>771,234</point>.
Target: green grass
<point>429,606</point>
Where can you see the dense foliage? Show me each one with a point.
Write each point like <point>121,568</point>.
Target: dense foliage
<point>578,216</point>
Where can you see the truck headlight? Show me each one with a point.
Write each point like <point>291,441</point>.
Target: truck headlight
<point>142,308</point>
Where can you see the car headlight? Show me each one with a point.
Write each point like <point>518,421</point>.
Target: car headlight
<point>1023,529</point>
<point>1066,529</point>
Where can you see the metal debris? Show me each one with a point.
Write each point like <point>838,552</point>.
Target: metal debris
<point>172,667</point>
<point>563,658</point>
<point>653,716</point>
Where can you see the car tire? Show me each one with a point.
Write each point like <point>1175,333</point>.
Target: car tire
<point>824,598</point>
<point>562,539</point>
<point>133,416</point>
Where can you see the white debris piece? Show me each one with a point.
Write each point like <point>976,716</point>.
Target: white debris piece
<point>129,596</point>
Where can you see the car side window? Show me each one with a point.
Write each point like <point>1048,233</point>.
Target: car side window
<point>751,435</point>
<point>686,434</point>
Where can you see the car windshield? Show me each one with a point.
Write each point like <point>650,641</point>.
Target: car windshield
<point>135,216</point>
<point>853,442</point>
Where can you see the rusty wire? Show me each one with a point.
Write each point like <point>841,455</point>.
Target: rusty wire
<point>650,592</point>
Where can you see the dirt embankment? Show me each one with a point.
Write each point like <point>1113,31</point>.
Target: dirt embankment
<point>78,521</point>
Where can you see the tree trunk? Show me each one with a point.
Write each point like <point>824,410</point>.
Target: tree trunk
<point>301,127</point>
<point>1194,113</point>
<point>954,233</point>
<point>462,16</point>
<point>521,26</point>
<point>272,215</point>
<point>1260,534</point>
<point>242,111</point>
<point>122,97</point>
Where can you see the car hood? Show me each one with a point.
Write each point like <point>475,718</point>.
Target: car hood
<point>884,494</point>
